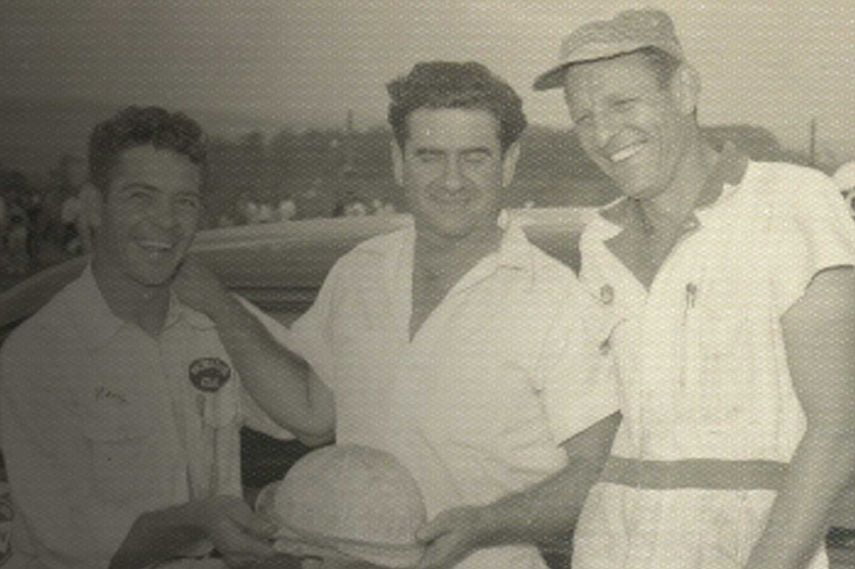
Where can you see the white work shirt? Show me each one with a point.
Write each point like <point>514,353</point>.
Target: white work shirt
<point>505,369</point>
<point>101,423</point>
<point>702,363</point>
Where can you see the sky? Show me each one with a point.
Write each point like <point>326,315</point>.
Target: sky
<point>777,64</point>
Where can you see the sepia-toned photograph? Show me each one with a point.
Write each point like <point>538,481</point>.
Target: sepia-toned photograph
<point>482,284</point>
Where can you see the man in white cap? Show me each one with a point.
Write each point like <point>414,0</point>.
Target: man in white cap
<point>346,507</point>
<point>732,285</point>
<point>454,344</point>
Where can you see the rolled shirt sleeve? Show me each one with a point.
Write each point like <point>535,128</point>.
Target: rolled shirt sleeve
<point>576,377</point>
<point>812,231</point>
<point>253,416</point>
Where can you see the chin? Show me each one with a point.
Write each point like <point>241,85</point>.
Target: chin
<point>156,278</point>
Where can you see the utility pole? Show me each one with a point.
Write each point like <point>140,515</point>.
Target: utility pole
<point>812,149</point>
<point>349,147</point>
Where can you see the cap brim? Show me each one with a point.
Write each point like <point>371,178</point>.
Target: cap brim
<point>552,79</point>
<point>386,555</point>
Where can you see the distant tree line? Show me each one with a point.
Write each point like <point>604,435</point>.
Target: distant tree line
<point>319,168</point>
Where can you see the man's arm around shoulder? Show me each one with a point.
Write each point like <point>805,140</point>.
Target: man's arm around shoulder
<point>278,380</point>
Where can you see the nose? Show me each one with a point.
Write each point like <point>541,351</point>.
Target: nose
<point>163,214</point>
<point>599,128</point>
<point>605,125</point>
<point>453,178</point>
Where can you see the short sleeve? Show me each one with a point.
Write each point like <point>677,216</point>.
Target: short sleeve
<point>811,231</point>
<point>578,382</point>
<point>310,335</point>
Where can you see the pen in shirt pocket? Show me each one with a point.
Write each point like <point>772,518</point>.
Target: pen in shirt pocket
<point>691,299</point>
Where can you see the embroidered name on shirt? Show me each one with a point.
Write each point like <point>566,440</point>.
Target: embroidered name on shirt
<point>209,374</point>
<point>104,394</point>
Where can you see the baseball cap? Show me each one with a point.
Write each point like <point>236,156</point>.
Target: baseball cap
<point>347,501</point>
<point>628,31</point>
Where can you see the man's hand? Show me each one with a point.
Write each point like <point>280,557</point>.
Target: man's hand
<point>198,288</point>
<point>451,536</point>
<point>265,502</point>
<point>241,537</point>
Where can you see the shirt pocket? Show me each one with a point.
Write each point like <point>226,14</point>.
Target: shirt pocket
<point>123,458</point>
<point>723,388</point>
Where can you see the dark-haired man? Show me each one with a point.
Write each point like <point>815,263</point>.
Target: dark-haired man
<point>455,344</point>
<point>120,406</point>
<point>733,290</point>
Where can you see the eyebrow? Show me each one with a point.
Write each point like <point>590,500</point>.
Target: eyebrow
<point>140,185</point>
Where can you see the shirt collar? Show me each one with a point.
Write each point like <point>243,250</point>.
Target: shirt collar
<point>729,170</point>
<point>180,312</point>
<point>95,316</point>
<point>92,312</point>
<point>514,250</point>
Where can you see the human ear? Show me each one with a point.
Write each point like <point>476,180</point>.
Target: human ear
<point>686,88</point>
<point>509,163</point>
<point>397,162</point>
<point>93,204</point>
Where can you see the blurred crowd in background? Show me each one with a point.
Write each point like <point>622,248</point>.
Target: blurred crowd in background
<point>338,172</point>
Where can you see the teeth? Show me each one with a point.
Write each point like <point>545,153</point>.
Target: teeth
<point>625,153</point>
<point>155,245</point>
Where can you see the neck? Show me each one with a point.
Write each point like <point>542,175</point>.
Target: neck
<point>145,306</point>
<point>454,256</point>
<point>681,195</point>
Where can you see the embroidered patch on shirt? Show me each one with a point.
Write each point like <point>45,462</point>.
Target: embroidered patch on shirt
<point>110,397</point>
<point>209,374</point>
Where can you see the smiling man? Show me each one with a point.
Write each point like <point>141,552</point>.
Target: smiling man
<point>120,406</point>
<point>458,346</point>
<point>453,344</point>
<point>732,286</point>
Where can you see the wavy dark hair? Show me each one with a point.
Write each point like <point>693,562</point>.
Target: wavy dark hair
<point>453,85</point>
<point>139,126</point>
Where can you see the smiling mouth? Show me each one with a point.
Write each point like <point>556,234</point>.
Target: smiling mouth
<point>626,153</point>
<point>156,249</point>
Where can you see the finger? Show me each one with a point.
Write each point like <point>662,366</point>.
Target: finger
<point>239,545</point>
<point>433,529</point>
<point>239,561</point>
<point>260,527</point>
<point>251,523</point>
<point>432,558</point>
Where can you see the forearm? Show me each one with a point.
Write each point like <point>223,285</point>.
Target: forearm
<point>545,511</point>
<point>820,469</point>
<point>160,535</point>
<point>278,380</point>
<point>550,509</point>
<point>818,336</point>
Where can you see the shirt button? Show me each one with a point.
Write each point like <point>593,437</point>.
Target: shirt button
<point>607,294</point>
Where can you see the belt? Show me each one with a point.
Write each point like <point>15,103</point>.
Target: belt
<point>702,473</point>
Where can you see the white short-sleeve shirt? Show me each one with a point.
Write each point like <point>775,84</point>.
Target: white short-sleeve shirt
<point>102,422</point>
<point>702,364</point>
<point>477,402</point>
